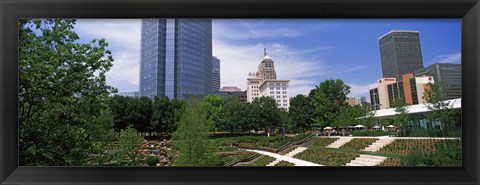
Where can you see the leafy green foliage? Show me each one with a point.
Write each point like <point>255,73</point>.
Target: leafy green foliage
<point>62,91</point>
<point>446,153</point>
<point>152,160</point>
<point>191,138</point>
<point>440,110</point>
<point>300,113</point>
<point>267,113</point>
<point>130,143</point>
<point>213,107</point>
<point>327,100</point>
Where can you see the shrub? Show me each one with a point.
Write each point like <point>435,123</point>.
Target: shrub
<point>152,160</point>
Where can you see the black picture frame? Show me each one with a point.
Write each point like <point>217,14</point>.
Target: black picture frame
<point>11,11</point>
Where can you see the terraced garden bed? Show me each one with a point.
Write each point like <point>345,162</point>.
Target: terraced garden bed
<point>406,146</point>
<point>323,142</point>
<point>391,162</point>
<point>358,143</point>
<point>326,157</point>
<point>285,163</point>
<point>262,161</point>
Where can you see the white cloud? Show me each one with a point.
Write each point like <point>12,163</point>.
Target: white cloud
<point>236,61</point>
<point>359,90</point>
<point>450,58</point>
<point>251,30</point>
<point>123,36</point>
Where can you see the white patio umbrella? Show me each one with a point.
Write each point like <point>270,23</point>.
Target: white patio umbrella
<point>359,126</point>
<point>391,126</point>
<point>377,126</point>
<point>327,128</point>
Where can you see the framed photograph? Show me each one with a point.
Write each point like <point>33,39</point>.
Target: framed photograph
<point>239,92</point>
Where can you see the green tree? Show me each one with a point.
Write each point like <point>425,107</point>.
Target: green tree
<point>213,107</point>
<point>231,114</point>
<point>440,110</point>
<point>102,134</point>
<point>349,115</point>
<point>162,115</point>
<point>267,113</point>
<point>401,110</point>
<point>300,113</point>
<point>62,90</point>
<point>143,114</point>
<point>191,138</point>
<point>130,143</point>
<point>327,100</point>
<point>367,112</point>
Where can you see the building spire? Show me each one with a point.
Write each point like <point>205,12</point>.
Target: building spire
<point>264,51</point>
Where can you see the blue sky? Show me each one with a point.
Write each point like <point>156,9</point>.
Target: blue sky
<point>306,52</point>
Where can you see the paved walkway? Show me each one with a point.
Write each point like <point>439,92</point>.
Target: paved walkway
<point>296,162</point>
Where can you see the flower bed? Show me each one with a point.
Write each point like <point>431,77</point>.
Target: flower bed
<point>391,162</point>
<point>326,157</point>
<point>406,146</point>
<point>256,141</point>
<point>262,161</point>
<point>358,143</point>
<point>323,142</point>
<point>284,163</point>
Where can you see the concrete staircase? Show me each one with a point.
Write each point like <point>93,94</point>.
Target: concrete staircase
<point>339,142</point>
<point>289,154</point>
<point>380,143</point>
<point>366,160</point>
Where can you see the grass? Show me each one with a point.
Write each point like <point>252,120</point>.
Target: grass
<point>262,161</point>
<point>358,143</point>
<point>284,163</point>
<point>257,140</point>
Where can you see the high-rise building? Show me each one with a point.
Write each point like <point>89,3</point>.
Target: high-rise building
<point>215,74</point>
<point>449,75</point>
<point>411,88</point>
<point>400,53</point>
<point>176,58</point>
<point>134,94</point>
<point>264,83</point>
<point>232,91</point>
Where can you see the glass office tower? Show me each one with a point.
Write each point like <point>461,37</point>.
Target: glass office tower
<point>400,53</point>
<point>176,58</point>
<point>215,74</point>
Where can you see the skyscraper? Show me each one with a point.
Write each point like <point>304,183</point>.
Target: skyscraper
<point>400,53</point>
<point>176,58</point>
<point>215,74</point>
<point>448,75</point>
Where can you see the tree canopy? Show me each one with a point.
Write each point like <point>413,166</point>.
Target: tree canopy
<point>62,91</point>
<point>327,100</point>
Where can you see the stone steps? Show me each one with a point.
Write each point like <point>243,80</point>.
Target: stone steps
<point>377,145</point>
<point>366,160</point>
<point>341,141</point>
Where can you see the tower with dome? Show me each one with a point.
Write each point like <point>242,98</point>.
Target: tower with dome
<point>264,82</point>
